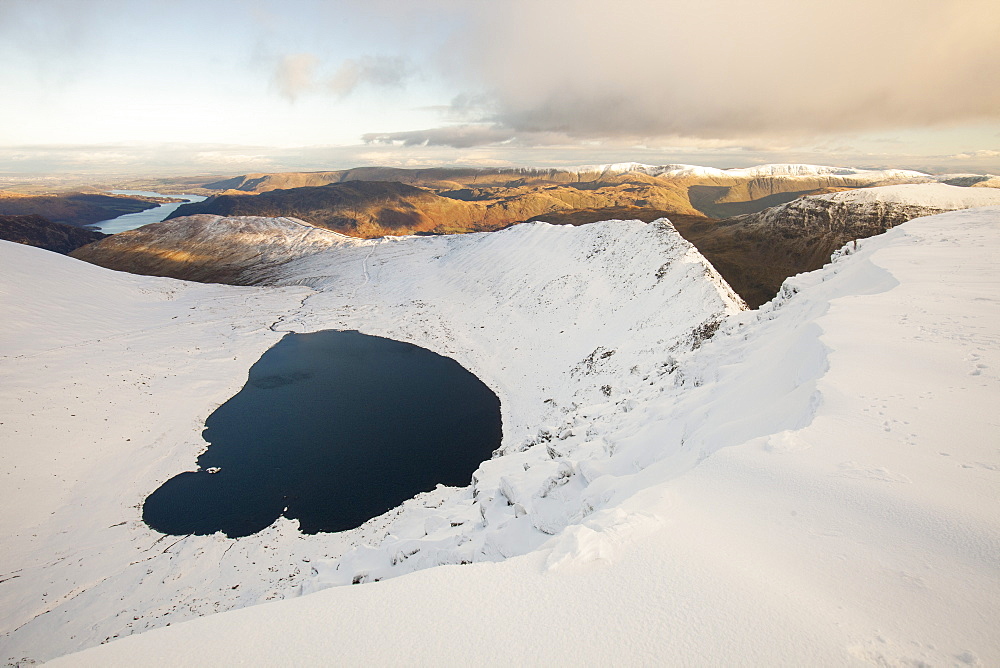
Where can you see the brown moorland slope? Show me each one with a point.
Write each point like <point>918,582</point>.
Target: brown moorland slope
<point>754,252</point>
<point>714,193</point>
<point>361,209</point>
<point>370,209</point>
<point>208,249</point>
<point>77,209</point>
<point>32,230</point>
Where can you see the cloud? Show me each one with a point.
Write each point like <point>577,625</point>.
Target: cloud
<point>379,71</point>
<point>220,159</point>
<point>132,158</point>
<point>295,74</point>
<point>980,154</point>
<point>466,136</point>
<point>298,73</point>
<point>490,134</point>
<point>724,68</point>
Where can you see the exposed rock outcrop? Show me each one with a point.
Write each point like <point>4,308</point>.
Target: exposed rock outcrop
<point>757,252</point>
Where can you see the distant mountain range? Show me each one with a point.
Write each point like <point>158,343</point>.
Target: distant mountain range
<point>443,178</point>
<point>757,225</point>
<point>233,238</point>
<point>376,201</point>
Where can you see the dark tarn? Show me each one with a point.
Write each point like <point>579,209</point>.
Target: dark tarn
<point>332,429</point>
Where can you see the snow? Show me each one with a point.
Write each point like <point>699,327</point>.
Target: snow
<point>105,382</point>
<point>770,170</point>
<point>106,410</point>
<point>836,504</point>
<point>929,195</point>
<point>822,170</point>
<point>814,485</point>
<point>70,331</point>
<point>242,240</point>
<point>651,170</point>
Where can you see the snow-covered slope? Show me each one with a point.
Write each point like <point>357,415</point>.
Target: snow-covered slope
<point>992,181</point>
<point>105,382</point>
<point>931,196</point>
<point>205,247</point>
<point>816,485</point>
<point>109,377</point>
<point>650,170</point>
<point>821,170</point>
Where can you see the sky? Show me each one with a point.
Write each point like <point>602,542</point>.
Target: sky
<point>227,86</point>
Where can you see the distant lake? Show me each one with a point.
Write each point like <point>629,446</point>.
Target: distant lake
<point>130,221</point>
<point>332,428</point>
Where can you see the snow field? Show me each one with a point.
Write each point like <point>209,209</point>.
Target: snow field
<point>101,424</point>
<point>815,485</point>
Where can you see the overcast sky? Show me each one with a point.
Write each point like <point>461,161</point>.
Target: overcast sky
<point>230,86</point>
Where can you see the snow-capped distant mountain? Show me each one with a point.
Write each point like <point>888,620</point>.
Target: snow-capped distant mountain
<point>816,484</point>
<point>936,197</point>
<point>822,170</point>
<point>754,172</point>
<point>650,170</point>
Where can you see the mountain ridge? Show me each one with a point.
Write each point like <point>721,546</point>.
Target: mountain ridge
<point>754,252</point>
<point>498,197</point>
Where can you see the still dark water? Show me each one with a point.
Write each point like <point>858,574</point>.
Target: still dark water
<point>332,429</point>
